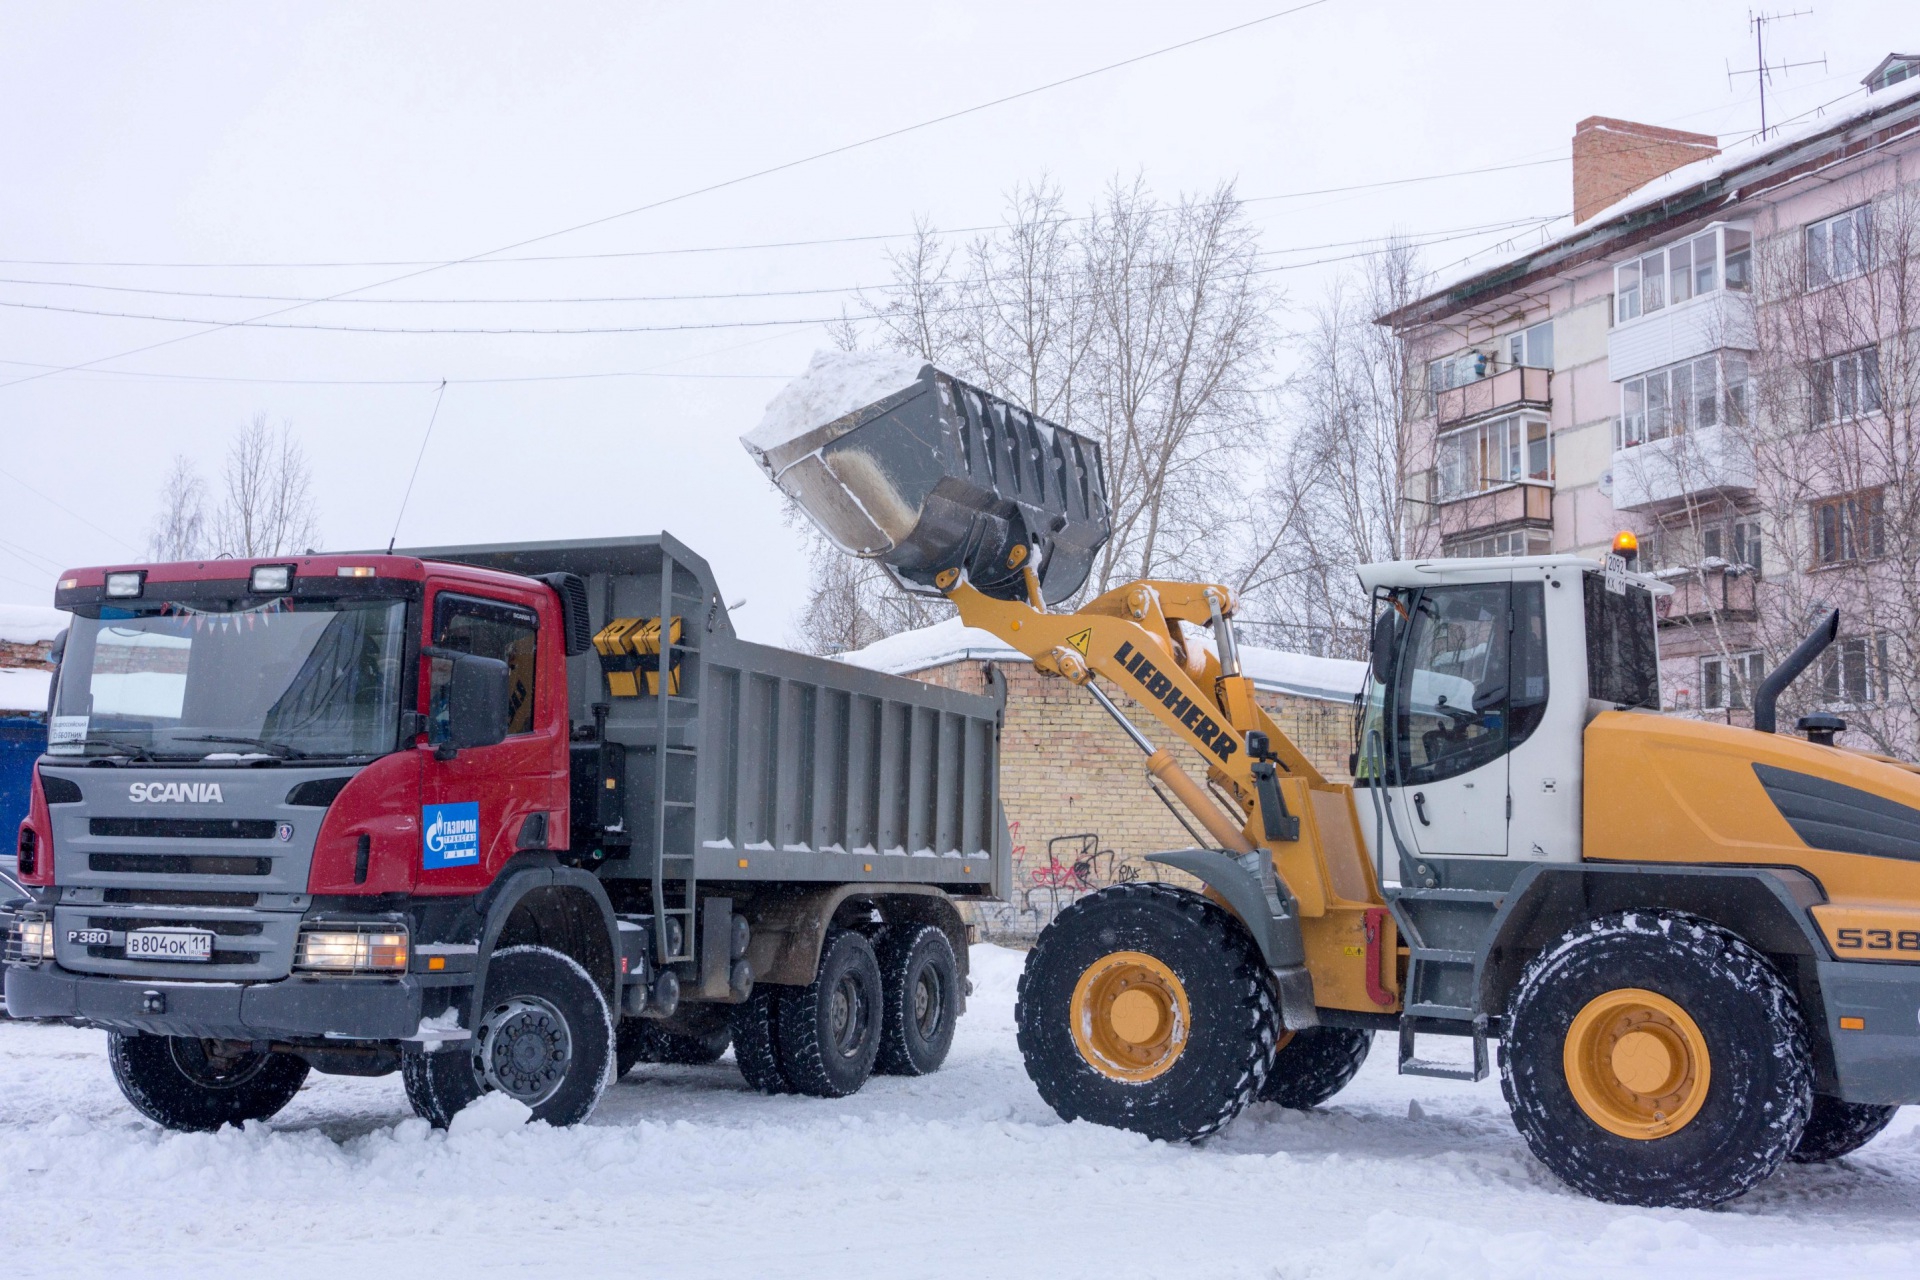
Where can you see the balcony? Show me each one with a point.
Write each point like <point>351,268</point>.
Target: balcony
<point>1714,592</point>
<point>1710,460</point>
<point>1505,391</point>
<point>1513,505</point>
<point>1723,318</point>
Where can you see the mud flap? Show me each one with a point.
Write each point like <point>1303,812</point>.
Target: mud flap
<point>1248,887</point>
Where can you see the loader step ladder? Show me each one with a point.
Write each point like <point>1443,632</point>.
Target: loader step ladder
<point>675,872</point>
<point>1439,925</point>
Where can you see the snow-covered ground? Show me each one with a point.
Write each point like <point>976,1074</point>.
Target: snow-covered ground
<point>683,1172</point>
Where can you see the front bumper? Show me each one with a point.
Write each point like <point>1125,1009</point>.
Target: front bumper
<point>1877,1060</point>
<point>359,1008</point>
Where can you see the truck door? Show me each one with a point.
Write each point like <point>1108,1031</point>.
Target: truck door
<point>1469,686</point>
<point>482,804</point>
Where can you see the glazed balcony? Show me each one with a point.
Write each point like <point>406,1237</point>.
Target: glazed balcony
<point>1693,464</point>
<point>1503,392</point>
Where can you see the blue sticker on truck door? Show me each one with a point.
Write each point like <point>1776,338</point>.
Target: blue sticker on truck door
<point>450,835</point>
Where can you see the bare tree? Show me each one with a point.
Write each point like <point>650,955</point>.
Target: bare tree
<point>267,506</point>
<point>180,531</point>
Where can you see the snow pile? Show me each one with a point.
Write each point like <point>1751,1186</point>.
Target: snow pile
<point>835,384</point>
<point>31,623</point>
<point>490,1113</point>
<point>1273,670</point>
<point>24,689</point>
<point>962,1174</point>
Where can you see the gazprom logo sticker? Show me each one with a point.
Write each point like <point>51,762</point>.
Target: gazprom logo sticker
<point>450,835</point>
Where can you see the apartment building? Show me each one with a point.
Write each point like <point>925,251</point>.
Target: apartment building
<point>1674,366</point>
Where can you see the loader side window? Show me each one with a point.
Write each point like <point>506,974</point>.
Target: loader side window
<point>1623,659</point>
<point>1471,683</point>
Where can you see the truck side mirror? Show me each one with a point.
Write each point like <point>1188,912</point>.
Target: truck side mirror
<point>1384,634</point>
<point>477,709</point>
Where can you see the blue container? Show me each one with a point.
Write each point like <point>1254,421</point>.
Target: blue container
<point>23,738</point>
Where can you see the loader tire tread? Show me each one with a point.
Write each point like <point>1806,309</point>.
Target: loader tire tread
<point>1839,1128</point>
<point>1315,1063</point>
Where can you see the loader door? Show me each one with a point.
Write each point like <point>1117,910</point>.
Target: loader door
<point>1468,688</point>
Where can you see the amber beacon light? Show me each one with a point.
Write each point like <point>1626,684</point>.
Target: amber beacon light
<point>1625,545</point>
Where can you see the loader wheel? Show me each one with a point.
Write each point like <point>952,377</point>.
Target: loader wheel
<point>1653,1058</point>
<point>1146,1007</point>
<point>544,1036</point>
<point>1839,1128</point>
<point>1314,1064</point>
<point>756,1040</point>
<point>829,1030</point>
<point>188,1085</point>
<point>920,986</point>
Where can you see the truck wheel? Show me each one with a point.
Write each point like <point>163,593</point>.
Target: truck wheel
<point>544,1036</point>
<point>1314,1064</point>
<point>174,1081</point>
<point>829,1030</point>
<point>756,1040</point>
<point>1653,1058</point>
<point>645,1040</point>
<point>920,985</point>
<point>1839,1128</point>
<point>1147,1007</point>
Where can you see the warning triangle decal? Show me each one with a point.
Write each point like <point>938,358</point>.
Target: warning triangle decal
<point>1080,640</point>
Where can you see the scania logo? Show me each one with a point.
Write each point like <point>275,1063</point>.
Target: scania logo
<point>175,793</point>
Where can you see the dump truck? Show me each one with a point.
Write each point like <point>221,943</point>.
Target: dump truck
<point>1696,946</point>
<point>497,818</point>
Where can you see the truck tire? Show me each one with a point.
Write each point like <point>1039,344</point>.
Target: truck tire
<point>1147,1007</point>
<point>829,1030</point>
<point>756,1040</point>
<point>1313,1064</point>
<point>646,1040</point>
<point>544,1036</point>
<point>1839,1128</point>
<point>1653,1058</point>
<point>173,1081</point>
<point>920,985</point>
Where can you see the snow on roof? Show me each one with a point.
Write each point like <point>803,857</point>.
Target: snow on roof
<point>31,623</point>
<point>24,689</point>
<point>835,384</point>
<point>1273,670</point>
<point>1688,176</point>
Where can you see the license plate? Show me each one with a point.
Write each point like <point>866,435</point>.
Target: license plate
<point>169,944</point>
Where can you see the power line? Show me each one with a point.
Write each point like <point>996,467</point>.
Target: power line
<point>711,187</point>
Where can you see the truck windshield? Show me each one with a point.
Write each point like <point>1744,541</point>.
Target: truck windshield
<point>290,678</point>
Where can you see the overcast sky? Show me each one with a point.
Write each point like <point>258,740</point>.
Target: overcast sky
<point>422,133</point>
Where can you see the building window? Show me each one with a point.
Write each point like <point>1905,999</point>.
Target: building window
<point>1850,528</point>
<point>1514,542</point>
<point>1855,671</point>
<point>1737,542</point>
<point>1455,371</point>
<point>1727,683</point>
<point>1840,247</point>
<point>1846,387</point>
<point>1491,454</point>
<point>1680,398</point>
<point>1531,347</point>
<point>1719,257</point>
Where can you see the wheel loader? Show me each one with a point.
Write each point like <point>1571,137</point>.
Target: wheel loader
<point>1696,946</point>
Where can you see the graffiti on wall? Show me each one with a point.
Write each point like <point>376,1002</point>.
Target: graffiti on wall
<point>1075,865</point>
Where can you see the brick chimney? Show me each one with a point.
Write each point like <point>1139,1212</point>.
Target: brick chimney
<point>1614,158</point>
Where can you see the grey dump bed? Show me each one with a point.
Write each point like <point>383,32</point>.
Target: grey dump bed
<point>753,763</point>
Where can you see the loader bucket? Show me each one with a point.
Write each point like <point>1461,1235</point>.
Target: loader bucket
<point>901,463</point>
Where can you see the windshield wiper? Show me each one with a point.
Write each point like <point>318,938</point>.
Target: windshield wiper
<point>280,749</point>
<point>133,749</point>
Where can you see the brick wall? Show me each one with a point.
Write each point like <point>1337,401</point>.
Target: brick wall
<point>1075,787</point>
<point>1614,158</point>
<point>16,654</point>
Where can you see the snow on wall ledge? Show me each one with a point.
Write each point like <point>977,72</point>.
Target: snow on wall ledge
<point>1273,670</point>
<point>31,623</point>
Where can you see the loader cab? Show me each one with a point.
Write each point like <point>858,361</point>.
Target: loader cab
<point>1482,677</point>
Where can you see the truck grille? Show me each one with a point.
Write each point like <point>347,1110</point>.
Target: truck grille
<point>184,828</point>
<point>181,898</point>
<point>179,864</point>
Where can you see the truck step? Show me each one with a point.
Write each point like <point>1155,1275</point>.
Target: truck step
<point>1440,1012</point>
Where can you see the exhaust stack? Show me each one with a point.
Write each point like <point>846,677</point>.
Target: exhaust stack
<point>898,462</point>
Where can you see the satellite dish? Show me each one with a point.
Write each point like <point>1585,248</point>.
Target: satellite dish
<point>1606,483</point>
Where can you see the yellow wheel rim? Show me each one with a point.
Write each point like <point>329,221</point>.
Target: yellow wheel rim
<point>1637,1064</point>
<point>1130,1016</point>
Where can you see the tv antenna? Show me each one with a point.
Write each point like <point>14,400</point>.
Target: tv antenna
<point>1762,70</point>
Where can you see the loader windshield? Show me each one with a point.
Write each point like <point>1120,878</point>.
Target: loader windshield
<point>286,679</point>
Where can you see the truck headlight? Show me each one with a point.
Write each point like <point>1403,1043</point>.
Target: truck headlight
<point>330,948</point>
<point>32,940</point>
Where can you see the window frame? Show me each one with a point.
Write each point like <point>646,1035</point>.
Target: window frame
<point>1499,453</point>
<point>1724,685</point>
<point>488,608</point>
<point>1869,656</point>
<point>1654,280</point>
<point>1839,521</point>
<point>1820,263</point>
<point>1636,421</point>
<point>1845,387</point>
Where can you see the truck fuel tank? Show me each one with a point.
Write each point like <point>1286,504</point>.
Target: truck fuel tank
<point>899,462</point>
